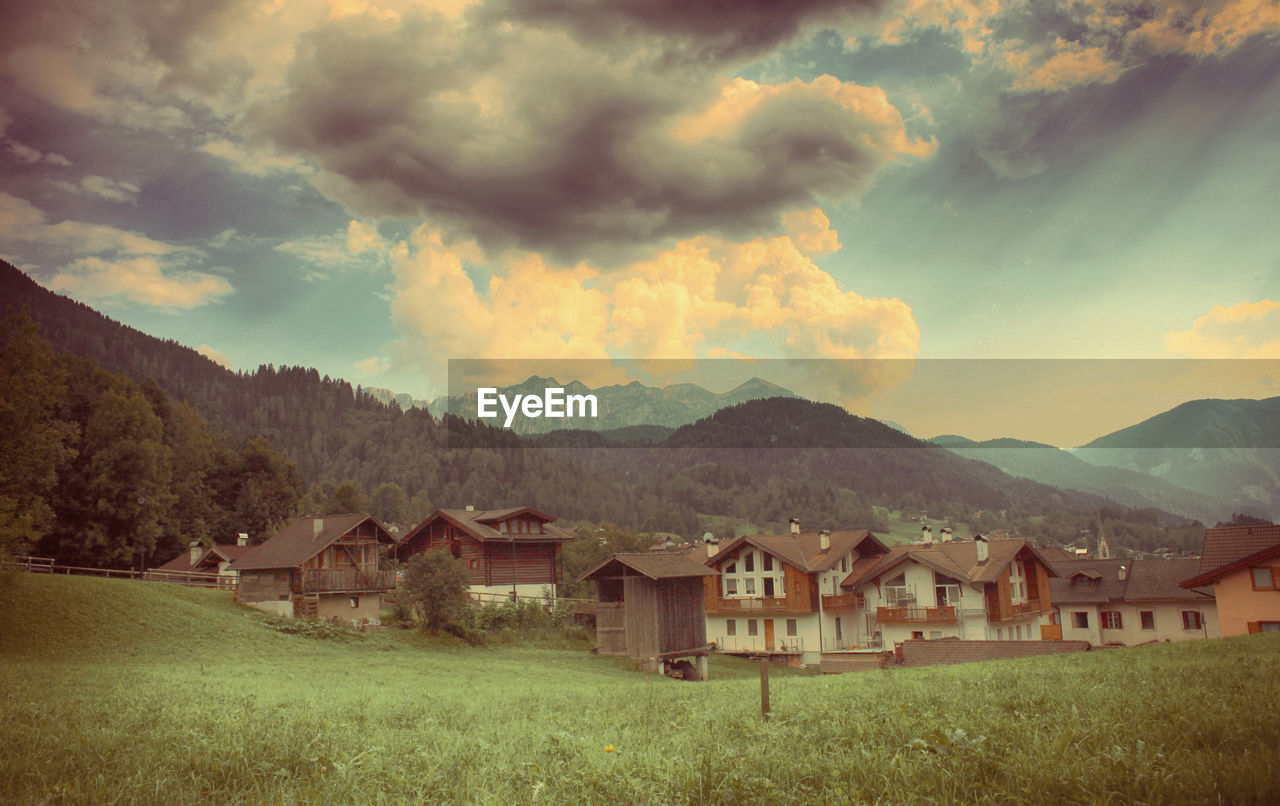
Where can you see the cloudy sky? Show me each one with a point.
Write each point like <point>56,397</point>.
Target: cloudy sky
<point>373,188</point>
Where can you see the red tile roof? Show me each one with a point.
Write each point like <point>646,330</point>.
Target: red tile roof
<point>1227,544</point>
<point>301,540</point>
<point>1230,548</point>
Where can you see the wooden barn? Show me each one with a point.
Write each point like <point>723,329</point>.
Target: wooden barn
<point>650,606</point>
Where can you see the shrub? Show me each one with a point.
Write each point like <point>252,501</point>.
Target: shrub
<point>435,587</point>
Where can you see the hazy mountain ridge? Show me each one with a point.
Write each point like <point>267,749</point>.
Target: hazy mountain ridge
<point>619,406</point>
<point>1225,448</point>
<point>1051,465</point>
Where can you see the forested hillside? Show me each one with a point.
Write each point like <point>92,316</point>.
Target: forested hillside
<point>759,462</point>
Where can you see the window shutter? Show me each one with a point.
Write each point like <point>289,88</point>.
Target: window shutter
<point>1255,626</point>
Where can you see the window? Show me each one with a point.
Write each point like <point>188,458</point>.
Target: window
<point>1192,620</point>
<point>731,568</point>
<point>1080,620</point>
<point>730,587</point>
<point>355,601</point>
<point>917,635</point>
<point>843,565</point>
<point>731,627</point>
<point>473,564</point>
<point>1264,579</point>
<point>1111,620</point>
<point>768,562</point>
<point>792,627</point>
<point>753,627</point>
<point>749,562</point>
<point>935,635</point>
<point>750,587</point>
<point>1000,634</point>
<point>1148,619</point>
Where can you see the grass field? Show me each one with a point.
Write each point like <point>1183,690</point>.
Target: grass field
<point>123,692</point>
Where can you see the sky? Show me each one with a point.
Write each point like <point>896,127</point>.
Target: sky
<point>374,188</point>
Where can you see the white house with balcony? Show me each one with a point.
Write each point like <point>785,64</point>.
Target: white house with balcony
<point>781,594</point>
<point>979,589</point>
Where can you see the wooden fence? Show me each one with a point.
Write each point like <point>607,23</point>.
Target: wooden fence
<point>46,565</point>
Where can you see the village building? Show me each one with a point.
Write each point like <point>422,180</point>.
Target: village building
<point>202,559</point>
<point>781,595</point>
<point>319,567</point>
<point>1110,602</point>
<point>650,606</point>
<point>508,552</point>
<point>992,590</point>
<point>1242,564</point>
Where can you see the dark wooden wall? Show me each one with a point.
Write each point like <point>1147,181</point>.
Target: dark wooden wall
<point>263,586</point>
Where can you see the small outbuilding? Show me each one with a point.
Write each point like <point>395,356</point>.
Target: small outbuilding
<point>650,606</point>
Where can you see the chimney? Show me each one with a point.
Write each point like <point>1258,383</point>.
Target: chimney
<point>980,543</point>
<point>471,507</point>
<point>795,526</point>
<point>824,539</point>
<point>945,535</point>
<point>926,535</point>
<point>242,539</point>
<point>197,551</point>
<point>317,526</point>
<point>713,546</point>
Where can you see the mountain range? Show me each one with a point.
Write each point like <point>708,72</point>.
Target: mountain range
<point>619,406</point>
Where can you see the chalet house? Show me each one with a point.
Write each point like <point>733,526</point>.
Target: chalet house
<point>319,568</point>
<point>508,551</point>
<point>201,559</point>
<point>974,589</point>
<point>1119,601</point>
<point>1242,563</point>
<point>650,606</point>
<point>780,594</point>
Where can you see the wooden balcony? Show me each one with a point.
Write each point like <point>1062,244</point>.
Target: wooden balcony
<point>773,604</point>
<point>1020,610</point>
<point>843,601</point>
<point>916,615</point>
<point>334,580</point>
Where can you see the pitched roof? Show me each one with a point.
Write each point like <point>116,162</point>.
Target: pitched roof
<point>804,551</point>
<point>301,540</point>
<point>1230,548</point>
<point>228,551</point>
<point>1103,574</point>
<point>1160,580</point>
<point>476,522</point>
<point>957,559</point>
<point>655,565</point>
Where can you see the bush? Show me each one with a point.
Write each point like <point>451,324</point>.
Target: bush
<point>435,587</point>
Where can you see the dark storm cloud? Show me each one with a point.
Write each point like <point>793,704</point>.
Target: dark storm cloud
<point>542,138</point>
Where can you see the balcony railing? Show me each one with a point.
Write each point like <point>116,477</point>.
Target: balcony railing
<point>1019,610</point>
<point>316,580</point>
<point>842,601</point>
<point>915,615</point>
<point>770,604</point>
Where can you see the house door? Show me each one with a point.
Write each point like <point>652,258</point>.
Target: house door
<point>768,634</point>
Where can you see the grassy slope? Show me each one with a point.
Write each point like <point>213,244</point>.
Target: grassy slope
<point>122,691</point>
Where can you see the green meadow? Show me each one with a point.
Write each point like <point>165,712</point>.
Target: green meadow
<point>130,692</point>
